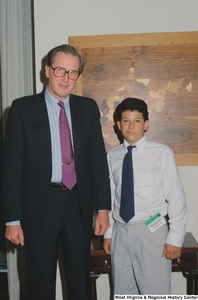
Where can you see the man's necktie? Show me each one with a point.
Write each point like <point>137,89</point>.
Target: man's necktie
<point>127,194</point>
<point>68,165</point>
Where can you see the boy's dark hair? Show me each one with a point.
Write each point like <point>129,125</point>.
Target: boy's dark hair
<point>132,104</point>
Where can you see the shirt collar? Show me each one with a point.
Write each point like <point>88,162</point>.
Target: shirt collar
<point>52,101</point>
<point>139,145</point>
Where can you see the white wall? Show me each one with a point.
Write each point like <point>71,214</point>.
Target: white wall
<point>56,20</point>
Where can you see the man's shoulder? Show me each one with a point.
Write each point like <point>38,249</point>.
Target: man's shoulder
<point>82,99</point>
<point>86,106</point>
<point>27,100</point>
<point>83,102</point>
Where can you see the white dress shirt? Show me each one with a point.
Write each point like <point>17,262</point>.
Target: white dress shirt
<point>157,187</point>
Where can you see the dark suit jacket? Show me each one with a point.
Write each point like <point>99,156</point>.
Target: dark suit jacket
<point>28,161</point>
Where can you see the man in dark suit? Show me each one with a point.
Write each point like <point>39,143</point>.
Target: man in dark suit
<point>41,211</point>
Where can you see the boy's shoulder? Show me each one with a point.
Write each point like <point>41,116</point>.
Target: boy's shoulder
<point>156,145</point>
<point>145,146</point>
<point>116,149</point>
<point>155,149</point>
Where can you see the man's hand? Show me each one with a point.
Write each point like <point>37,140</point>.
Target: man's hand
<point>14,233</point>
<point>171,252</point>
<point>107,246</point>
<point>102,222</point>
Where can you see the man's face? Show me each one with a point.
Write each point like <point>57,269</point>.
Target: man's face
<point>132,126</point>
<point>61,87</point>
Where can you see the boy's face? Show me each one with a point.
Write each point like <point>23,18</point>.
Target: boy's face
<point>132,126</point>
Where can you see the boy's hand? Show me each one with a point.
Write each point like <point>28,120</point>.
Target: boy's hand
<point>107,246</point>
<point>171,252</point>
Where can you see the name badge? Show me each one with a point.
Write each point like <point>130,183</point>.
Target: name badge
<point>155,222</point>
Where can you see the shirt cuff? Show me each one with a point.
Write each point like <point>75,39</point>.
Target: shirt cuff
<point>13,223</point>
<point>108,233</point>
<point>175,239</point>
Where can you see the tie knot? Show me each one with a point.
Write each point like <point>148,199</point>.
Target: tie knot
<point>130,148</point>
<point>61,104</point>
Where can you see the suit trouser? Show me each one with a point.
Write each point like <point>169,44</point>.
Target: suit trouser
<point>137,263</point>
<point>62,223</point>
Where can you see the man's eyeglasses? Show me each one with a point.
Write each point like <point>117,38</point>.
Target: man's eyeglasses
<point>60,72</point>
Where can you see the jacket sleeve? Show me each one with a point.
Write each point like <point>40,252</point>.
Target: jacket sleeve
<point>99,167</point>
<point>13,164</point>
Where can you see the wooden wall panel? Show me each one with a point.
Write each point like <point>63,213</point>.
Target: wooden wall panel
<point>161,69</point>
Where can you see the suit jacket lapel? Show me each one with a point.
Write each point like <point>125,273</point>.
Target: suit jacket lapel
<point>77,123</point>
<point>41,121</point>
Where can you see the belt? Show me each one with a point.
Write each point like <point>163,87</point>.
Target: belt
<point>58,185</point>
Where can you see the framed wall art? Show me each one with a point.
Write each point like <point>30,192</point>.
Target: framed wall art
<point>161,69</point>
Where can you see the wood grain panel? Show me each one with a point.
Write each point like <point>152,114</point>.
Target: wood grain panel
<point>161,69</point>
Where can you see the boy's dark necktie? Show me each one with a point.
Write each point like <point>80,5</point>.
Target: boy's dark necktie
<point>68,165</point>
<point>127,193</point>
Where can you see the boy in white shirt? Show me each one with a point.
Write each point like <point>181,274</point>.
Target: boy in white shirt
<point>141,256</point>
